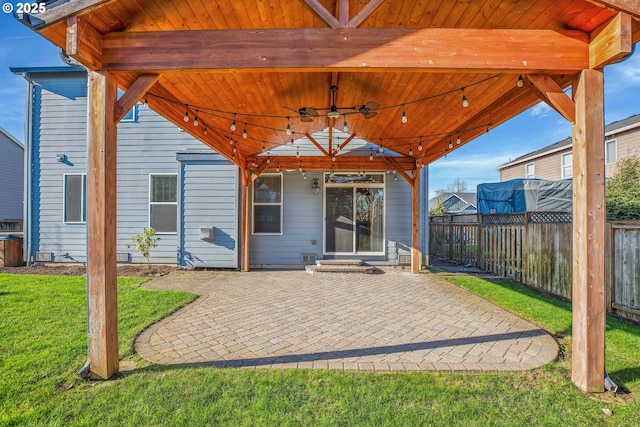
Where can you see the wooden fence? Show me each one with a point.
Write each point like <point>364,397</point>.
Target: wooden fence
<point>535,248</point>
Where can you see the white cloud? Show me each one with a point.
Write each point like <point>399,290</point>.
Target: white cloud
<point>540,110</point>
<point>630,71</point>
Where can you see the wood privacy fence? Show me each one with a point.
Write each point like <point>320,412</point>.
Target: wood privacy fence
<point>535,248</point>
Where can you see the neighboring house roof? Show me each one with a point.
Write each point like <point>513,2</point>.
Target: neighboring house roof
<point>455,202</point>
<point>11,138</point>
<point>612,128</point>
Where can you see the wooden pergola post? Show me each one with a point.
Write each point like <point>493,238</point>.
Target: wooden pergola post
<point>589,219</point>
<point>416,256</point>
<point>245,196</point>
<point>101,225</point>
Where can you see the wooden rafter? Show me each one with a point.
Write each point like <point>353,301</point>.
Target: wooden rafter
<point>364,13</point>
<point>322,13</point>
<point>65,10</point>
<point>263,167</point>
<point>317,144</point>
<point>343,13</point>
<point>631,7</point>
<point>392,162</point>
<point>554,96</point>
<point>84,43</point>
<point>351,49</point>
<point>134,94</point>
<point>343,163</point>
<point>346,142</point>
<point>611,41</point>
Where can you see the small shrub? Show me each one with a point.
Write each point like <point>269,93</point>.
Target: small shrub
<point>145,241</point>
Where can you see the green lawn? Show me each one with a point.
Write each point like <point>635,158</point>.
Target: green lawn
<point>42,326</point>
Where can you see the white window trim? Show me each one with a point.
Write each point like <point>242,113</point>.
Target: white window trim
<point>82,198</point>
<point>165,233</point>
<point>254,204</point>
<point>526,172</point>
<point>562,165</point>
<point>353,185</point>
<point>606,159</point>
<point>134,116</point>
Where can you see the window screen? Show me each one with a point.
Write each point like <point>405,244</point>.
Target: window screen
<point>74,198</point>
<point>163,203</point>
<point>267,204</point>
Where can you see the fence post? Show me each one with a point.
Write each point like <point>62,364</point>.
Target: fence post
<point>479,242</point>
<point>450,233</point>
<point>609,273</point>
<point>525,248</point>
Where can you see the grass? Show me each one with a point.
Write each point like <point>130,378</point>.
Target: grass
<point>44,341</point>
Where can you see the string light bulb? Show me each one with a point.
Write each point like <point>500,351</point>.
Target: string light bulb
<point>404,115</point>
<point>371,155</point>
<point>333,158</point>
<point>263,148</point>
<point>381,148</point>
<point>458,140</point>
<point>244,131</point>
<point>345,128</point>
<point>300,168</point>
<point>186,114</point>
<point>195,120</point>
<point>146,103</point>
<point>268,160</point>
<point>450,143</point>
<point>465,101</point>
<point>410,151</point>
<point>297,153</point>
<point>231,140</point>
<point>420,145</point>
<point>204,130</point>
<point>520,81</point>
<point>288,127</point>
<point>233,123</point>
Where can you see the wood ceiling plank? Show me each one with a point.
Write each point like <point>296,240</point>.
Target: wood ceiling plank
<point>322,13</point>
<point>342,163</point>
<point>632,7</point>
<point>364,13</point>
<point>348,50</point>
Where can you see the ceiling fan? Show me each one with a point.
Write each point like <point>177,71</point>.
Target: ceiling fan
<point>307,113</point>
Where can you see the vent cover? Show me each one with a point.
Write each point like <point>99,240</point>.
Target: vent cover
<point>404,259</point>
<point>308,258</point>
<point>44,256</point>
<point>122,256</point>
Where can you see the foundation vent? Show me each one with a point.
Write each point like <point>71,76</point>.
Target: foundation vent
<point>308,258</point>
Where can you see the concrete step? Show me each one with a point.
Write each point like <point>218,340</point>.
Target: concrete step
<point>362,269</point>
<point>339,262</point>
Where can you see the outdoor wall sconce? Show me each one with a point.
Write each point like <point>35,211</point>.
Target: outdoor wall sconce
<point>62,158</point>
<point>315,186</point>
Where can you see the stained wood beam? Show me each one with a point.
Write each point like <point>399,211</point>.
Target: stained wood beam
<point>631,7</point>
<point>322,13</point>
<point>175,114</point>
<point>364,13</point>
<point>349,49</point>
<point>343,14</point>
<point>416,256</point>
<point>317,144</point>
<point>611,41</point>
<point>346,142</point>
<point>263,167</point>
<point>101,225</point>
<point>134,94</point>
<point>589,221</point>
<point>391,161</point>
<point>84,43</point>
<point>342,163</point>
<point>553,95</point>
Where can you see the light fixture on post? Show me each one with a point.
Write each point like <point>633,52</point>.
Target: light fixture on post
<point>315,186</point>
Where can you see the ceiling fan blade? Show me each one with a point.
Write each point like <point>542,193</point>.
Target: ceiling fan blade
<point>312,112</point>
<point>370,115</point>
<point>306,119</point>
<point>372,105</point>
<point>291,109</point>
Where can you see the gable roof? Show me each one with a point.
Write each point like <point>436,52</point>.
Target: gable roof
<point>11,138</point>
<point>455,202</point>
<point>610,129</point>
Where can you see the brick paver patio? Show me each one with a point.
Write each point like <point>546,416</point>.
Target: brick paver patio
<point>381,322</point>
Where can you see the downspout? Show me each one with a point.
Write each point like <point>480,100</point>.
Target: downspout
<point>424,215</point>
<point>28,167</point>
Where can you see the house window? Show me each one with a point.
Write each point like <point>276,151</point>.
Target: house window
<point>75,191</point>
<point>163,202</point>
<point>529,170</point>
<point>610,151</point>
<point>567,165</point>
<point>267,204</point>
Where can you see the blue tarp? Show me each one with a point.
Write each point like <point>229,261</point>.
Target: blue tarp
<point>525,195</point>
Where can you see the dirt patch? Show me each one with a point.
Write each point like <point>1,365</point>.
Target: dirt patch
<point>130,270</point>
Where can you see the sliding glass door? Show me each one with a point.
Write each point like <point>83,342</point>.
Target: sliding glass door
<point>354,215</point>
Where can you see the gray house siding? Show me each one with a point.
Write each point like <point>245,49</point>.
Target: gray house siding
<point>12,176</point>
<point>209,186</point>
<point>303,224</point>
<point>58,126</point>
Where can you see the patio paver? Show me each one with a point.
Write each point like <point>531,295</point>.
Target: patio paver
<point>290,319</point>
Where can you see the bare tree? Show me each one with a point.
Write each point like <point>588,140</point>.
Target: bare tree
<point>457,186</point>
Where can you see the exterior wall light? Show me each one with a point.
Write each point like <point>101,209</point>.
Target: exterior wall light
<point>315,186</point>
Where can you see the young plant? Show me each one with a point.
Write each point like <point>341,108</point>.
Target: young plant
<point>144,241</point>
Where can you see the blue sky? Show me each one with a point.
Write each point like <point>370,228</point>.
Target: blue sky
<point>475,162</point>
